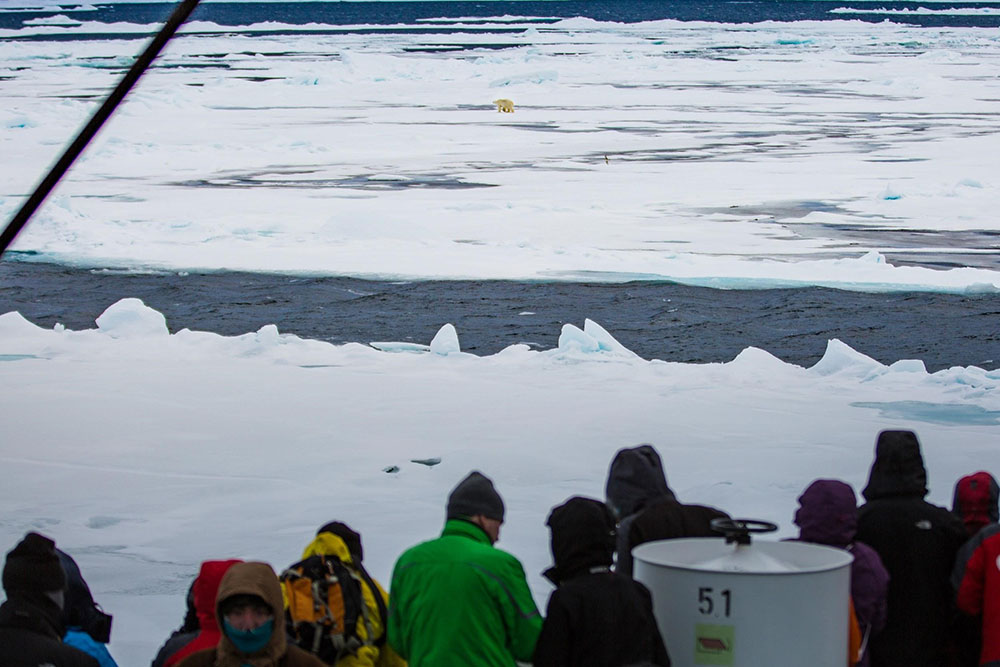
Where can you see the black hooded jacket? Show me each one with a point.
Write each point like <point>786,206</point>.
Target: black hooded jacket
<point>31,634</point>
<point>635,479</point>
<point>917,543</point>
<point>79,609</point>
<point>183,635</point>
<point>595,618</point>
<point>646,508</point>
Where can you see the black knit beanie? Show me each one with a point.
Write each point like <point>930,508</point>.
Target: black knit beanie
<point>475,495</point>
<point>33,566</point>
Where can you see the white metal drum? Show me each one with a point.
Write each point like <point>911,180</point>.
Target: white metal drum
<point>766,604</point>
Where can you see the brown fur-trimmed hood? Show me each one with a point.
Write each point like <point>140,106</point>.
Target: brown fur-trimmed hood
<point>260,580</point>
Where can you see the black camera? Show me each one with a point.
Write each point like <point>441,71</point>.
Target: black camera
<point>98,625</point>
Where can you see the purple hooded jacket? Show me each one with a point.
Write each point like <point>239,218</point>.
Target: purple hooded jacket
<point>828,514</point>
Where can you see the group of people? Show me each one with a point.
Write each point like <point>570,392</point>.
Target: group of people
<point>925,583</point>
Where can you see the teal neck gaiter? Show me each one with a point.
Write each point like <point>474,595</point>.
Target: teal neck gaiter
<point>249,641</point>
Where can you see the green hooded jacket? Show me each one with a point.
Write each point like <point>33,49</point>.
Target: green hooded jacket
<point>459,602</point>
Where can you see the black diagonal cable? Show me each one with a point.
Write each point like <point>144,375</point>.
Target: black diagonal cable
<point>20,219</point>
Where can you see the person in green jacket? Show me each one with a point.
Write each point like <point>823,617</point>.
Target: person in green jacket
<point>458,601</point>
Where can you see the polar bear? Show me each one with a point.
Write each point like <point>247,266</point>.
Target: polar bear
<point>504,105</point>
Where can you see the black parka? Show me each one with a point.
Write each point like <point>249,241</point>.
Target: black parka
<point>183,635</point>
<point>645,506</point>
<point>595,618</point>
<point>31,634</point>
<point>917,542</point>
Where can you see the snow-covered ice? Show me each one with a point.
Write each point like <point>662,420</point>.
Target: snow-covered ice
<point>750,155</point>
<point>144,453</point>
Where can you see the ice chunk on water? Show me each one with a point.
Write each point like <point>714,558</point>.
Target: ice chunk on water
<point>58,19</point>
<point>592,338</point>
<point>446,341</point>
<point>515,351</point>
<point>268,335</point>
<point>399,346</point>
<point>13,324</point>
<point>131,318</point>
<point>574,339</point>
<point>909,366</point>
<point>840,357</point>
<point>873,256</point>
<point>605,341</point>
<point>756,359</point>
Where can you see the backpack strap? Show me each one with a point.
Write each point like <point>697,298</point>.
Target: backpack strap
<point>365,613</point>
<point>383,611</point>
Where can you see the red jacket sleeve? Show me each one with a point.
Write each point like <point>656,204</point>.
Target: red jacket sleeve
<point>970,591</point>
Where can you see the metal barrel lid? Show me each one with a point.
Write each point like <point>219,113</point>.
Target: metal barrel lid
<point>738,555</point>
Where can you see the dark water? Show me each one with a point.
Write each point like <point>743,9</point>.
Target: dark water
<point>376,14</point>
<point>655,320</point>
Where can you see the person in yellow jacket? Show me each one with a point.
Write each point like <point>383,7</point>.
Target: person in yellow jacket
<point>339,540</point>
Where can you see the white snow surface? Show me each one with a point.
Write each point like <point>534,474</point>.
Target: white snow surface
<point>144,453</point>
<point>750,155</point>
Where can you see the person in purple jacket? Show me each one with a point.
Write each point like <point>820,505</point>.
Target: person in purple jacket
<point>828,514</point>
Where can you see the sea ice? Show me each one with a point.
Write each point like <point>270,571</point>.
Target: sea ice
<point>445,341</point>
<point>574,339</point>
<point>131,318</point>
<point>841,358</point>
<point>163,455</point>
<point>635,152</point>
<point>605,341</point>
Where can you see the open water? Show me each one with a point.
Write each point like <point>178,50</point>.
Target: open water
<point>369,16</point>
<point>656,320</point>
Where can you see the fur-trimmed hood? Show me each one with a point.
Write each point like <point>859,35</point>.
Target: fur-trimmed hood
<point>260,580</point>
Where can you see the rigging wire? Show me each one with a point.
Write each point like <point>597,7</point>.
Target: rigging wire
<point>93,126</point>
